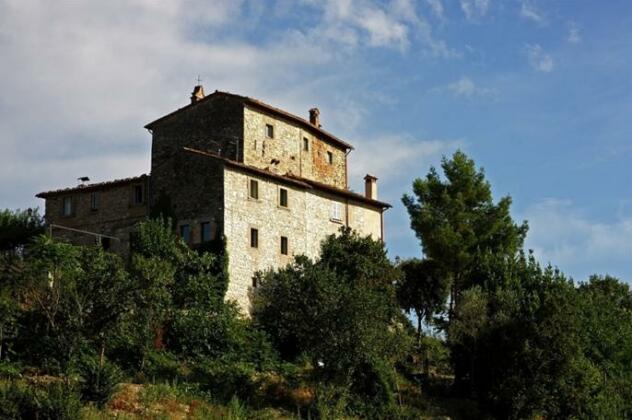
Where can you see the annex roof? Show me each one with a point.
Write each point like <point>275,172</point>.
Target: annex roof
<point>92,187</point>
<point>293,180</point>
<point>256,103</point>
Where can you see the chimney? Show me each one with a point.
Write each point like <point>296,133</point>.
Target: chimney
<point>370,187</point>
<point>198,94</point>
<point>314,117</point>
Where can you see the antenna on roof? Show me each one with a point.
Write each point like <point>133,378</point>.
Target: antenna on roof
<point>83,179</point>
<point>199,81</point>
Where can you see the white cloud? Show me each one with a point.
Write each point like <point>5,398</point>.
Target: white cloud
<point>395,24</point>
<point>560,234</point>
<point>437,8</point>
<point>391,156</point>
<point>465,87</point>
<point>475,9</point>
<point>574,33</point>
<point>538,59</point>
<point>529,11</point>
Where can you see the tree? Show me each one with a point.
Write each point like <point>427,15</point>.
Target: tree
<point>340,311</point>
<point>457,221</point>
<point>423,290</point>
<point>18,228</point>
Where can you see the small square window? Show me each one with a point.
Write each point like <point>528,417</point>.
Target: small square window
<point>254,189</point>
<point>282,197</point>
<point>67,206</point>
<point>305,144</point>
<point>205,232</point>
<point>330,158</point>
<point>269,131</point>
<point>283,245</point>
<point>185,233</point>
<point>254,238</point>
<point>139,196</point>
<point>94,201</point>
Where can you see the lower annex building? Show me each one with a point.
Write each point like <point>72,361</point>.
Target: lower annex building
<point>272,183</point>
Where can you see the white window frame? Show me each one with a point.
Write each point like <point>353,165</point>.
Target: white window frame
<point>336,211</point>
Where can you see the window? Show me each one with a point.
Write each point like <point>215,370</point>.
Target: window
<point>138,194</point>
<point>94,201</point>
<point>330,158</point>
<point>336,211</point>
<point>255,282</point>
<point>283,245</point>
<point>254,189</point>
<point>254,238</point>
<point>106,243</point>
<point>67,206</point>
<point>269,131</point>
<point>185,233</point>
<point>305,144</point>
<point>283,197</point>
<point>205,231</point>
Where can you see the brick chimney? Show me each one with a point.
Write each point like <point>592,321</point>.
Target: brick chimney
<point>197,94</point>
<point>314,117</point>
<point>370,187</point>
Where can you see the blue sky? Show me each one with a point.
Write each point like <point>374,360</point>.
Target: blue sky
<point>538,92</point>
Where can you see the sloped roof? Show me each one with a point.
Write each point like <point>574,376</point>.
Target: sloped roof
<point>92,187</point>
<point>265,107</point>
<point>293,180</point>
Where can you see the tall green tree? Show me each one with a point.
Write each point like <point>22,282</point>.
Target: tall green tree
<point>422,291</point>
<point>456,221</point>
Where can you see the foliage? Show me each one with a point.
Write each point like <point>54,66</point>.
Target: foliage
<point>423,290</point>
<point>99,380</point>
<point>17,228</point>
<point>340,311</point>
<point>457,221</point>
<point>54,401</point>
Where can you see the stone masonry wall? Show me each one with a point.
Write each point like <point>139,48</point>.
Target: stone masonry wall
<point>287,148</point>
<point>215,125</point>
<point>116,215</point>
<point>189,189</point>
<point>305,222</point>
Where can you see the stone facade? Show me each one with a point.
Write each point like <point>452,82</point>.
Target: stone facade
<point>111,209</point>
<point>305,222</point>
<point>291,149</point>
<point>205,158</point>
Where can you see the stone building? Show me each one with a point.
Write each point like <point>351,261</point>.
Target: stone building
<point>272,183</point>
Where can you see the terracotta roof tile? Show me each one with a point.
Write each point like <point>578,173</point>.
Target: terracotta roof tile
<point>92,187</point>
<point>266,107</point>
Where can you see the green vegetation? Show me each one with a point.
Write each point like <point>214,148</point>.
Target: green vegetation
<point>491,333</point>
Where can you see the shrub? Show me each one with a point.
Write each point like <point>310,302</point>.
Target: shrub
<point>98,381</point>
<point>225,380</point>
<point>55,401</point>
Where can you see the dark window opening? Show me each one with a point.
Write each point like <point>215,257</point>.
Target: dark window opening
<point>254,189</point>
<point>254,238</point>
<point>206,233</point>
<point>269,131</point>
<point>94,201</point>
<point>305,144</point>
<point>139,197</point>
<point>283,197</point>
<point>283,245</point>
<point>106,243</point>
<point>185,233</point>
<point>330,158</point>
<point>255,282</point>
